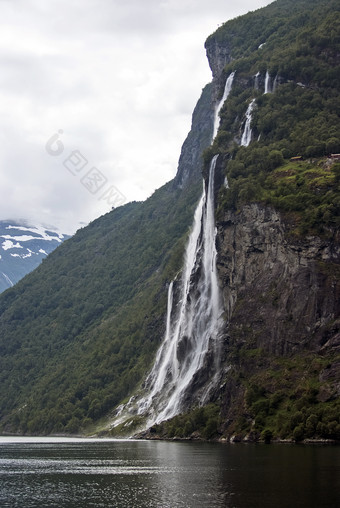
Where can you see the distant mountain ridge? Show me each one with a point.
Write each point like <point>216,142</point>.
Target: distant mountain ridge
<point>22,248</point>
<point>80,334</point>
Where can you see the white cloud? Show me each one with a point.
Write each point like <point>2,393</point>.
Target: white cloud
<point>119,78</point>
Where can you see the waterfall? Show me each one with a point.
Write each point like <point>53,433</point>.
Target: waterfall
<point>267,88</point>
<point>256,80</point>
<point>193,323</point>
<point>192,328</point>
<point>226,92</point>
<point>8,280</point>
<point>275,82</point>
<point>246,136</point>
<point>187,364</point>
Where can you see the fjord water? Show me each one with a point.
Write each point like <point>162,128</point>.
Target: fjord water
<point>49,472</point>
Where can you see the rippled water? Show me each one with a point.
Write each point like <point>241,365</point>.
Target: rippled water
<point>139,474</point>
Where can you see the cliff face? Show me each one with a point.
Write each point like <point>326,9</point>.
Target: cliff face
<point>281,289</point>
<point>280,293</point>
<point>199,138</point>
<point>219,55</point>
<point>98,323</point>
<point>282,301</point>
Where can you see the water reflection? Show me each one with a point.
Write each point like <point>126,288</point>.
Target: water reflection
<point>141,474</point>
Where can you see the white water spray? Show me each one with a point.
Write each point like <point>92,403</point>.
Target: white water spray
<point>267,86</point>
<point>227,90</point>
<point>246,136</point>
<point>193,322</point>
<point>275,82</point>
<point>8,279</point>
<point>192,326</point>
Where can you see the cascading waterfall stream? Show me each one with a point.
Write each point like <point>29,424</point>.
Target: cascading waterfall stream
<point>193,320</point>
<point>275,83</point>
<point>246,136</point>
<point>267,88</point>
<point>193,328</point>
<point>227,90</point>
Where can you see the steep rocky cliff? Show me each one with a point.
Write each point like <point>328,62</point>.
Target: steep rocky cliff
<point>79,335</point>
<point>190,165</point>
<point>282,300</point>
<point>278,251</point>
<point>285,290</point>
<point>281,289</point>
<point>280,365</point>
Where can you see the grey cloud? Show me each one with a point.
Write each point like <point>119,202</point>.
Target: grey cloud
<point>101,71</point>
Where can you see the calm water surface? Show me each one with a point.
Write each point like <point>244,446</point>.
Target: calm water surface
<point>62,473</point>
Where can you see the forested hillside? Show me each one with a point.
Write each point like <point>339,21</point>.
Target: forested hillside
<point>80,333</point>
<point>82,327</point>
<point>297,45</point>
<point>278,227</point>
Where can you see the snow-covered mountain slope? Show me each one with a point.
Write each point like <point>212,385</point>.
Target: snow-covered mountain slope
<point>22,248</point>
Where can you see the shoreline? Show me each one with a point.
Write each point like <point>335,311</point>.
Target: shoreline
<point>147,436</point>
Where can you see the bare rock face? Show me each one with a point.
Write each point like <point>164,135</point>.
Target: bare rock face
<point>190,163</point>
<point>282,293</point>
<point>218,54</point>
<point>282,307</point>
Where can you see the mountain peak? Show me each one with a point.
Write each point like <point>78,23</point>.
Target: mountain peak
<point>22,248</point>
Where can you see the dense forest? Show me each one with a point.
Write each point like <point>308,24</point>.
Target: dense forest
<point>297,43</point>
<point>79,334</point>
<point>82,335</point>
<point>291,165</point>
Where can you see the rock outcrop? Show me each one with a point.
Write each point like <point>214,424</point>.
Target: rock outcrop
<point>219,55</point>
<point>199,138</point>
<point>282,291</point>
<point>282,317</point>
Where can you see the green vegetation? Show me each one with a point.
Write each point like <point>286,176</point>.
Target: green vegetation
<point>308,191</point>
<point>283,400</point>
<point>79,334</point>
<point>200,422</point>
<point>298,41</point>
<point>281,403</point>
<point>300,119</point>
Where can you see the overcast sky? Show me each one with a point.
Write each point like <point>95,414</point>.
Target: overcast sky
<point>96,98</point>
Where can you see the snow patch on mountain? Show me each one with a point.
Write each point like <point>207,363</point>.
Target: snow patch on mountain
<point>8,244</point>
<point>23,247</point>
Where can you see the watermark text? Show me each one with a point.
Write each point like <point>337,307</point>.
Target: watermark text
<point>92,179</point>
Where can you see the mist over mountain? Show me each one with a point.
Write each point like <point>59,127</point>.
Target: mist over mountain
<point>204,314</point>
